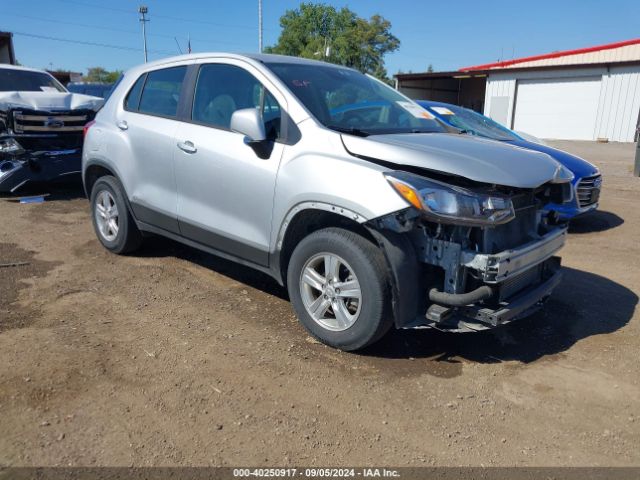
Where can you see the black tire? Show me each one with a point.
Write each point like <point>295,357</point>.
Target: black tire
<point>368,265</point>
<point>128,237</point>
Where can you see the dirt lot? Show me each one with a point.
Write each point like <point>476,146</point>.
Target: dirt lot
<point>174,357</point>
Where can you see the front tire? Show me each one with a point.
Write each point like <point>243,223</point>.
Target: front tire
<point>113,223</point>
<point>339,287</point>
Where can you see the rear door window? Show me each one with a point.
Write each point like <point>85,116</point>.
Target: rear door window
<point>161,92</point>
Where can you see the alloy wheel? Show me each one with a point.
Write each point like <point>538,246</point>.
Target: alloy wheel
<point>106,214</point>
<point>330,291</point>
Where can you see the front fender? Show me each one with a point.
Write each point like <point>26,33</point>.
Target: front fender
<point>319,170</point>
<point>407,289</point>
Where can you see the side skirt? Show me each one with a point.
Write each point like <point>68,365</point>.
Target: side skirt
<point>191,243</point>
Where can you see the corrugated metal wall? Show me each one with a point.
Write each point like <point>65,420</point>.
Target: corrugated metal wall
<point>618,106</point>
<point>500,86</point>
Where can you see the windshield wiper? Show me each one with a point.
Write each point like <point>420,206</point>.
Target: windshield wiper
<point>351,130</point>
<point>416,130</point>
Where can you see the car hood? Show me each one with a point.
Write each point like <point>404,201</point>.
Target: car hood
<point>477,159</point>
<point>579,167</point>
<point>48,101</point>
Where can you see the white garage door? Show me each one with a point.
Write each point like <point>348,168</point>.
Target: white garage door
<point>558,108</point>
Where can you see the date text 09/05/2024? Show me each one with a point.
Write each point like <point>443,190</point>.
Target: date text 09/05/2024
<point>315,472</point>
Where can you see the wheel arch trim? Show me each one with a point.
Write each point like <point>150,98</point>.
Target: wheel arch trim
<point>310,205</point>
<point>95,162</point>
<point>275,257</point>
<point>114,172</point>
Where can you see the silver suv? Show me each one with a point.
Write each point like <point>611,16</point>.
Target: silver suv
<point>369,211</point>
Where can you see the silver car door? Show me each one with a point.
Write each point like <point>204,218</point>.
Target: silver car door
<point>225,185</point>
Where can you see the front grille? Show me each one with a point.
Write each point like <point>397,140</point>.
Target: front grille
<point>588,190</point>
<point>52,122</point>
<point>38,130</point>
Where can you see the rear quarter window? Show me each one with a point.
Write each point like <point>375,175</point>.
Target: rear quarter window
<point>132,99</point>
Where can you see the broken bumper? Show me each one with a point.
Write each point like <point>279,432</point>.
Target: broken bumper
<point>514,283</point>
<point>17,171</point>
<point>498,267</point>
<point>473,318</point>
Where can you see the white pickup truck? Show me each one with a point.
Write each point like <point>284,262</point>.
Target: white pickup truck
<point>41,127</point>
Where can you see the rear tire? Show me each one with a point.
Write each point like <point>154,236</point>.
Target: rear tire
<point>338,284</point>
<point>113,223</point>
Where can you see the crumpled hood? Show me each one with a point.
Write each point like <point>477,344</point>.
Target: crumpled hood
<point>477,159</point>
<point>49,101</point>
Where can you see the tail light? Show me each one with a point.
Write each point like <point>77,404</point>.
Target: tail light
<point>86,128</point>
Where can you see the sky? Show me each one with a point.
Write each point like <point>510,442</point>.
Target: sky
<point>446,34</point>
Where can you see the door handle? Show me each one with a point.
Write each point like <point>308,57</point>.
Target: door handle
<point>122,125</point>
<point>187,147</point>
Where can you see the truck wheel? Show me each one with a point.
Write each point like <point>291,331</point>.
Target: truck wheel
<point>112,221</point>
<point>339,287</point>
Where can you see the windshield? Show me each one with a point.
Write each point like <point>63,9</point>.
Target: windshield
<point>95,90</point>
<point>26,81</point>
<point>475,123</point>
<point>348,101</point>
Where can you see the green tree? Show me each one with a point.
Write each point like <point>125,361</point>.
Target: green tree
<point>101,75</point>
<point>113,76</point>
<point>339,36</point>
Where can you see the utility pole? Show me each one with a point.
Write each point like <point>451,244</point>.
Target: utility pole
<point>143,10</point>
<point>259,26</point>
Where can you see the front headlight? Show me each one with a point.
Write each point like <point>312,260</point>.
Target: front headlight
<point>10,145</point>
<point>445,203</point>
<point>562,175</point>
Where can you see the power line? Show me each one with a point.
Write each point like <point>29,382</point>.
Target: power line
<point>86,25</point>
<point>120,30</point>
<point>93,44</point>
<point>113,9</point>
<point>203,22</point>
<point>168,17</point>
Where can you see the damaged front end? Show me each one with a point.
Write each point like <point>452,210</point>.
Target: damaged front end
<point>480,255</point>
<point>40,145</point>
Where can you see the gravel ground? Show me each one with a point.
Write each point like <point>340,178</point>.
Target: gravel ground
<point>175,357</point>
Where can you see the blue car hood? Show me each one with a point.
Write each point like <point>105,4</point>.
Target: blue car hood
<point>579,167</point>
